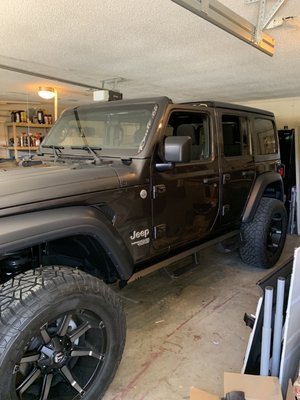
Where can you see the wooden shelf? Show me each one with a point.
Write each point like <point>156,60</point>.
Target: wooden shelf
<point>15,129</point>
<point>27,125</point>
<point>24,148</point>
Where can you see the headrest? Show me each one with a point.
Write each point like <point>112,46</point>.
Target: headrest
<point>186,130</point>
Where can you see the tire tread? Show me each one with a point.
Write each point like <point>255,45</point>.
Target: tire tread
<point>253,233</point>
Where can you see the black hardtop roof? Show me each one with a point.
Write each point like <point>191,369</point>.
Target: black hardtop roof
<point>164,100</point>
<point>228,106</point>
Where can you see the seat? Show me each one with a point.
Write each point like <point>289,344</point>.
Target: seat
<point>191,131</point>
<point>115,134</point>
<point>231,147</point>
<point>139,133</point>
<point>186,130</point>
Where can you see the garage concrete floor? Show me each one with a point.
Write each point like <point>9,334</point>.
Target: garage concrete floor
<point>187,331</point>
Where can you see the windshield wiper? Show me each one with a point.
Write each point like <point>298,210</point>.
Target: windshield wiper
<point>86,146</point>
<point>91,150</point>
<point>56,150</point>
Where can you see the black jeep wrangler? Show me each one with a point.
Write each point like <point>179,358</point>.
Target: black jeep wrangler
<point>118,190</point>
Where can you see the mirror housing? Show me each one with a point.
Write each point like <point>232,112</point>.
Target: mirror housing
<point>178,149</point>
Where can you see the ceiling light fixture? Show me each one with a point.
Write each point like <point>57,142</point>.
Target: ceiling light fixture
<point>49,93</point>
<point>46,93</point>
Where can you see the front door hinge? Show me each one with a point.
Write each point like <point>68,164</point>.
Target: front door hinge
<point>158,189</point>
<point>226,178</point>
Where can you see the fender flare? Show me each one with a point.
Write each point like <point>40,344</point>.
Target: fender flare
<point>22,231</point>
<point>257,191</point>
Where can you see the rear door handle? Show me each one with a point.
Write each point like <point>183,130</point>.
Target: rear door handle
<point>248,174</point>
<point>208,181</point>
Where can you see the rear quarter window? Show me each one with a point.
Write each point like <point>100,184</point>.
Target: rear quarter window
<point>266,136</point>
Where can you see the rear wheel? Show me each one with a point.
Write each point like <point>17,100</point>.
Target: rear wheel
<point>62,334</point>
<point>263,238</point>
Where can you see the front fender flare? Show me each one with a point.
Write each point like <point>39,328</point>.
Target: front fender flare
<point>22,231</point>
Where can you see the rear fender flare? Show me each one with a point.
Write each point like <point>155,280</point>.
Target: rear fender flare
<point>26,230</point>
<point>257,192</point>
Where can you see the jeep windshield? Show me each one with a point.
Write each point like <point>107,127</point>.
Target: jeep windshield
<point>108,130</point>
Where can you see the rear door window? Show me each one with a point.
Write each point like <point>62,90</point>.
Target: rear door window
<point>235,136</point>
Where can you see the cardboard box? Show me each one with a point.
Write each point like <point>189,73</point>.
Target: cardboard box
<point>255,387</point>
<point>290,395</point>
<point>198,394</point>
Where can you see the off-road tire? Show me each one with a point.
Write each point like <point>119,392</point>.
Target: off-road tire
<point>263,238</point>
<point>70,324</point>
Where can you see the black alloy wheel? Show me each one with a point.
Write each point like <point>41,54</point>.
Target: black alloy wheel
<point>276,230</point>
<point>63,337</point>
<point>63,358</point>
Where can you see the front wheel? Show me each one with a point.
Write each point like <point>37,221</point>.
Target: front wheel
<point>263,238</point>
<point>62,334</point>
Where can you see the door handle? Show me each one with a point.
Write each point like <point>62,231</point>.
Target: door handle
<point>208,181</point>
<point>248,174</point>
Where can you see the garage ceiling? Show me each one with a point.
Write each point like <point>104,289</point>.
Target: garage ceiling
<point>143,48</point>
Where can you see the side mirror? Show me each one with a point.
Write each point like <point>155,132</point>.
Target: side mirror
<point>178,149</point>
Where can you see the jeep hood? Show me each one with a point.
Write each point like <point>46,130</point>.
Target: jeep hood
<point>23,186</point>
